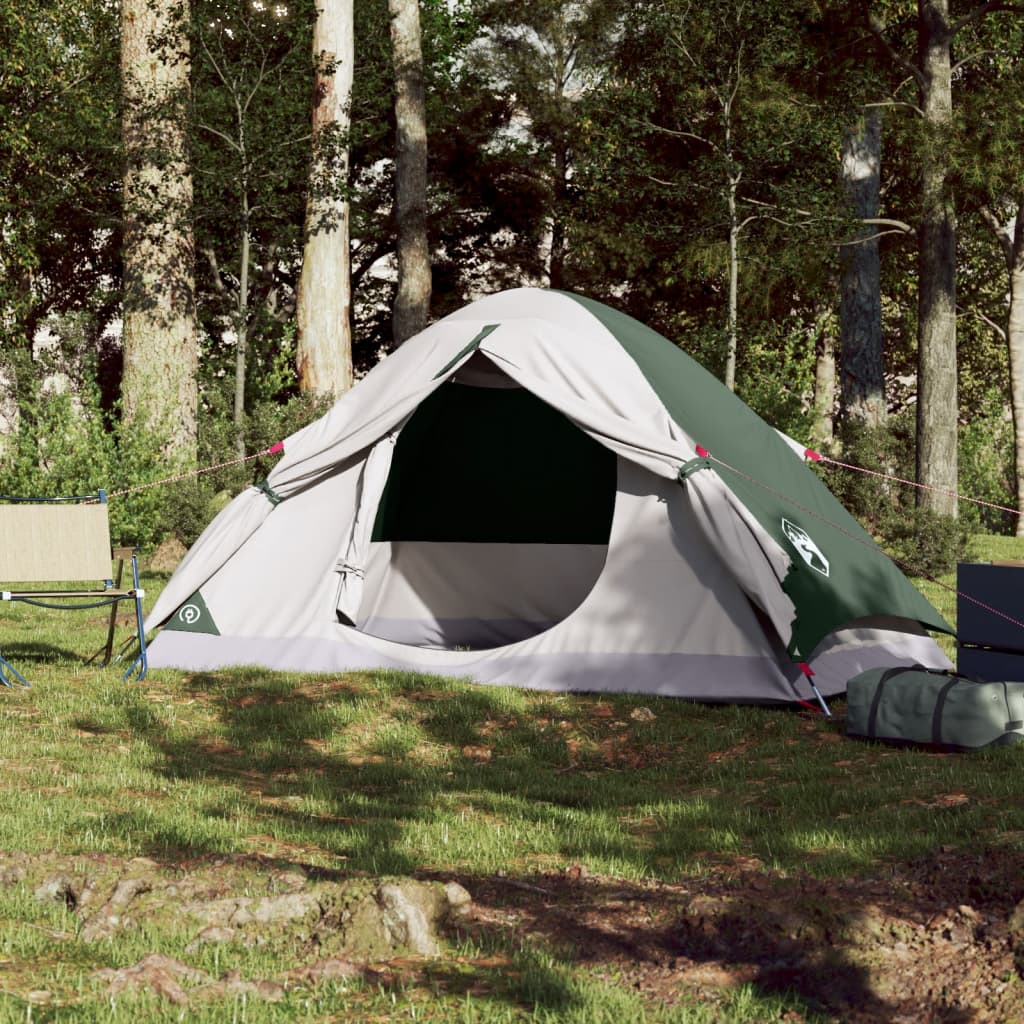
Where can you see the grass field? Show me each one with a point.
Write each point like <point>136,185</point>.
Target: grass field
<point>405,775</point>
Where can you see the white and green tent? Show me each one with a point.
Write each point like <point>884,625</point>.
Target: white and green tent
<point>540,491</point>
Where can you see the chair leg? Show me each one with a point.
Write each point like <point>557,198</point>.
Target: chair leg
<point>141,663</point>
<point>108,649</point>
<point>5,667</point>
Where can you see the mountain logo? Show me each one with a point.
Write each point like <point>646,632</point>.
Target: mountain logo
<point>805,547</point>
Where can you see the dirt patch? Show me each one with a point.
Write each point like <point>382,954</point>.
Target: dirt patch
<point>166,555</point>
<point>939,940</point>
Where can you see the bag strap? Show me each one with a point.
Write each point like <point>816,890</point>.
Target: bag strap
<point>877,699</point>
<point>940,703</point>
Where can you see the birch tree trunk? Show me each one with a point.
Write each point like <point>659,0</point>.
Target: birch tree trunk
<point>324,301</point>
<point>412,303</point>
<point>732,328</point>
<point>1011,241</point>
<point>937,402</point>
<point>823,430</point>
<point>160,353</point>
<point>1015,342</point>
<point>862,388</point>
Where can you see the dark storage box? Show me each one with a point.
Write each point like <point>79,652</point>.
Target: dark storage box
<point>990,646</point>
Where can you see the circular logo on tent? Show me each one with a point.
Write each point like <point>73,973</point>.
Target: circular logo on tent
<point>190,614</point>
<point>805,547</point>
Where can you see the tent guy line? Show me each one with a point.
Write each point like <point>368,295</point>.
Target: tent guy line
<point>814,456</point>
<point>701,454</point>
<point>274,449</point>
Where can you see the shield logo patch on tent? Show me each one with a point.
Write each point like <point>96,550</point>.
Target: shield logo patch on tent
<point>805,547</point>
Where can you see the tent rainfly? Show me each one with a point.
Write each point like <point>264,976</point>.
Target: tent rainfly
<point>540,491</point>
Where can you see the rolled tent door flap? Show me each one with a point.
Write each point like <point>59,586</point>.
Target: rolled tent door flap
<point>351,564</point>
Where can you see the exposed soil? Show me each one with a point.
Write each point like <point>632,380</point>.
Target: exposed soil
<point>941,940</point>
<point>938,940</point>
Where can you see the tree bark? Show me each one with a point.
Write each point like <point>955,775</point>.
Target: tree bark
<point>1015,341</point>
<point>937,402</point>
<point>862,388</point>
<point>160,352</point>
<point>323,305</point>
<point>1011,241</point>
<point>559,196</point>
<point>412,303</point>
<point>823,431</point>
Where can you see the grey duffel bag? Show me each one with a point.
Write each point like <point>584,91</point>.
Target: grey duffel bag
<point>928,707</point>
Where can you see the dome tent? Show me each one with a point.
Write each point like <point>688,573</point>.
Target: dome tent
<point>540,491</point>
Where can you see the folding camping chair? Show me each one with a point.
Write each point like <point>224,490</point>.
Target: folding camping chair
<point>67,541</point>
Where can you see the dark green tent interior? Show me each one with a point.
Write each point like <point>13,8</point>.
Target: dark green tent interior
<point>486,464</point>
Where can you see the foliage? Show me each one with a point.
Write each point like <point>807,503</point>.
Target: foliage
<point>62,447</point>
<point>986,466</point>
<point>921,542</point>
<point>776,375</point>
<point>251,129</point>
<point>711,127</point>
<point>59,165</point>
<point>598,122</point>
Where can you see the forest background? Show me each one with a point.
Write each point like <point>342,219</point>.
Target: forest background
<point>214,215</point>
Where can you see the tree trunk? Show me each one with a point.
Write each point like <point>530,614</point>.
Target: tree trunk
<point>160,352</point>
<point>560,192</point>
<point>862,389</point>
<point>937,404</point>
<point>242,327</point>
<point>323,305</point>
<point>732,330</point>
<point>824,381</point>
<point>1011,240</point>
<point>1015,341</point>
<point>412,303</point>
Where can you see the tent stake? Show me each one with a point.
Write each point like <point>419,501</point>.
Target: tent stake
<point>809,674</point>
<point>821,700</point>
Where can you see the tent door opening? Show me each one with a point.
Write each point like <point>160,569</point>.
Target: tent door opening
<point>494,521</point>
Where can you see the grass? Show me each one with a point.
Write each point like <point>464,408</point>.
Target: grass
<point>389,773</point>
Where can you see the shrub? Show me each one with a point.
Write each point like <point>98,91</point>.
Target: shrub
<point>986,467</point>
<point>62,446</point>
<point>921,541</point>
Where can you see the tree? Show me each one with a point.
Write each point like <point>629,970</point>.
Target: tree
<point>324,350</point>
<point>251,87</point>
<point>548,55</point>
<point>160,352</point>
<point>992,174</point>
<point>412,303</point>
<point>862,382</point>
<point>1008,231</point>
<point>59,155</point>
<point>708,149</point>
<point>935,30</point>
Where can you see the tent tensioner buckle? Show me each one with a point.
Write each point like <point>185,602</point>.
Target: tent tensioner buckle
<point>703,461</point>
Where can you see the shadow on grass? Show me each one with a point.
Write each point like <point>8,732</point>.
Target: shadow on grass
<point>40,653</point>
<point>274,775</point>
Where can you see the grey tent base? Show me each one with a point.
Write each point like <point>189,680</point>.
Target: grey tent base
<point>689,676</point>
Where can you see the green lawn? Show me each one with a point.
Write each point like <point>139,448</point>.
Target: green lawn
<point>398,774</point>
